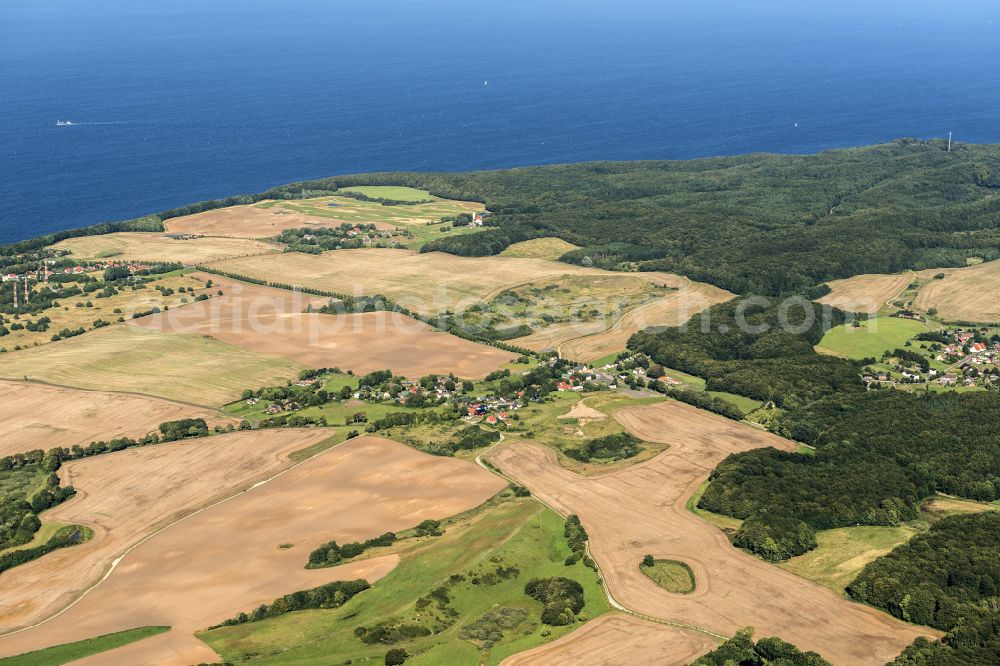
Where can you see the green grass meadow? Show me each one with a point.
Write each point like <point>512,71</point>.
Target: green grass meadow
<point>510,532</point>
<point>872,338</point>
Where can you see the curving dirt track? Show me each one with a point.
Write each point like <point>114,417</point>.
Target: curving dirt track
<point>226,559</point>
<point>616,639</point>
<point>38,416</point>
<point>641,510</point>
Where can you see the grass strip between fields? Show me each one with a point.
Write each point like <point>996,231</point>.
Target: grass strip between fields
<point>67,652</point>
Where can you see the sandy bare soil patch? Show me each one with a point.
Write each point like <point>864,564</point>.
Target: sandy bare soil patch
<point>158,247</point>
<point>244,222</point>
<point>616,639</point>
<point>641,509</point>
<point>965,294</point>
<point>670,310</point>
<point>128,495</point>
<point>272,321</point>
<point>187,368</point>
<point>37,416</point>
<point>225,559</point>
<point>582,411</point>
<point>426,283</point>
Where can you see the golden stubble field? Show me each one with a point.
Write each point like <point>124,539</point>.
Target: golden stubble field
<point>435,282</point>
<point>965,294</point>
<point>193,369</point>
<point>425,282</point>
<point>226,558</point>
<point>271,321</point>
<point>39,416</point>
<point>641,510</point>
<point>270,218</point>
<point>155,246</point>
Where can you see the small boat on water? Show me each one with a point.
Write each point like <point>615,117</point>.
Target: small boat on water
<point>62,123</point>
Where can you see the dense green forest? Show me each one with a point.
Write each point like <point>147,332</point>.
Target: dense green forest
<point>947,578</point>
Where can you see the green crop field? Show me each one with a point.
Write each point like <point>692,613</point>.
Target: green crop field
<point>509,533</point>
<point>64,654</point>
<point>871,339</point>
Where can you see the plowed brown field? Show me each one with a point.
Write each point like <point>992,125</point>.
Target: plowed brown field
<point>615,640</point>
<point>641,510</point>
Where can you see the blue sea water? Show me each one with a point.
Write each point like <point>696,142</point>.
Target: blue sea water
<point>187,100</point>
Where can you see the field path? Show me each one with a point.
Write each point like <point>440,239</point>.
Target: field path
<point>226,558</point>
<point>641,509</point>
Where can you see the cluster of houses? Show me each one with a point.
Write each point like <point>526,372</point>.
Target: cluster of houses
<point>965,345</point>
<point>966,356</point>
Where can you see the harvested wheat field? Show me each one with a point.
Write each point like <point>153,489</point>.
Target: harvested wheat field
<point>671,310</point>
<point>157,247</point>
<point>251,221</point>
<point>868,293</point>
<point>225,559</point>
<point>126,496</point>
<point>38,416</point>
<point>965,294</point>
<point>539,248</point>
<point>271,321</point>
<point>616,639</point>
<point>427,283</point>
<point>641,510</point>
<point>187,368</point>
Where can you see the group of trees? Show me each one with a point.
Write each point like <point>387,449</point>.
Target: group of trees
<point>183,428</point>
<point>562,599</point>
<point>741,650</point>
<point>331,595</point>
<point>617,446</point>
<point>330,553</point>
